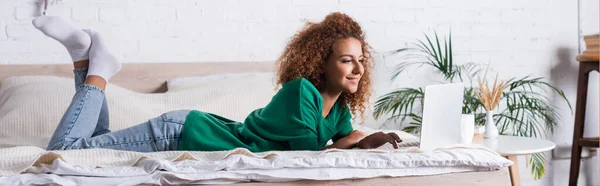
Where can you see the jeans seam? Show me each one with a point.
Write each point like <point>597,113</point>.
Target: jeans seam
<point>120,143</point>
<point>79,109</point>
<point>165,119</point>
<point>77,114</point>
<point>129,142</point>
<point>92,87</point>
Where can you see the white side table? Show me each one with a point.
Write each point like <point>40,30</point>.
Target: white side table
<point>512,146</point>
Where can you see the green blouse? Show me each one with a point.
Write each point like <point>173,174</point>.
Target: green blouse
<point>291,121</point>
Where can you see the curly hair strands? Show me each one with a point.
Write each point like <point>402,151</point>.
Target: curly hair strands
<point>312,46</point>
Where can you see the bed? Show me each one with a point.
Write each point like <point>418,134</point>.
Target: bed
<point>151,79</point>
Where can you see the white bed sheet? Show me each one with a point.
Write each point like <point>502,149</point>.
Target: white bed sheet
<point>230,177</point>
<point>240,165</point>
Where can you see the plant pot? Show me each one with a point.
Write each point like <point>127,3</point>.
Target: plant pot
<point>490,126</point>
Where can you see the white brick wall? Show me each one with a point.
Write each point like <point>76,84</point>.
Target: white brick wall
<point>210,27</point>
<point>534,37</point>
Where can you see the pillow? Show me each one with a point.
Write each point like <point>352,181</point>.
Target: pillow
<point>177,84</point>
<point>31,106</point>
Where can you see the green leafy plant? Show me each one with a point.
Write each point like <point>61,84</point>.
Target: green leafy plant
<point>524,110</point>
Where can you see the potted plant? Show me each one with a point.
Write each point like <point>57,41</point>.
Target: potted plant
<point>524,108</point>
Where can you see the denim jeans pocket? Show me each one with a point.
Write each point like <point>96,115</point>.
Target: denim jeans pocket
<point>177,116</point>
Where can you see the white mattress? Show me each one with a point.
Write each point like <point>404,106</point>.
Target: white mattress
<point>278,175</point>
<point>176,167</point>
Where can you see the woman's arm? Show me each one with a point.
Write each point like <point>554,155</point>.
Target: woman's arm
<point>378,139</point>
<point>347,142</point>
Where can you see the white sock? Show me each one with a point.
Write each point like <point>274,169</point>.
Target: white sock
<point>102,62</point>
<point>75,40</point>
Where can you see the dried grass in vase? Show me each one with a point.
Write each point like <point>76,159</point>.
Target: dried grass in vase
<point>490,97</point>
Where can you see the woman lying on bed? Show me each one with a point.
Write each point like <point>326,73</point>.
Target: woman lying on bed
<point>324,74</point>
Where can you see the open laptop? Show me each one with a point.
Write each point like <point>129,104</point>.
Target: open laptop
<point>442,112</point>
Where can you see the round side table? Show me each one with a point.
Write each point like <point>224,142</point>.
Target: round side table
<point>512,146</point>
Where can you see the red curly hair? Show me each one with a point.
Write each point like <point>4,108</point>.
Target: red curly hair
<point>312,46</point>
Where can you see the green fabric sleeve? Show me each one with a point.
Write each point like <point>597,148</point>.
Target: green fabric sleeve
<point>344,125</point>
<point>305,144</point>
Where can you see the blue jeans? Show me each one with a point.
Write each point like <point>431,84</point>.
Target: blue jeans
<point>85,125</point>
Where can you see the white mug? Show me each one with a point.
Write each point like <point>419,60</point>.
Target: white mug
<point>467,128</point>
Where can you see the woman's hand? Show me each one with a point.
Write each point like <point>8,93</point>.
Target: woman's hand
<point>355,136</point>
<point>347,142</point>
<point>378,139</point>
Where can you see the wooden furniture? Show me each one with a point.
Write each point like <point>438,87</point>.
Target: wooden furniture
<point>512,146</point>
<point>151,78</point>
<point>142,77</point>
<point>588,62</point>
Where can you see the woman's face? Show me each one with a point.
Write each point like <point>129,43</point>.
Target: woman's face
<point>344,68</point>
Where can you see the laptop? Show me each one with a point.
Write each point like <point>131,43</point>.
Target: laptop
<point>442,112</point>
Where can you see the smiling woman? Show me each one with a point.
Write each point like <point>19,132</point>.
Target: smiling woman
<point>324,74</point>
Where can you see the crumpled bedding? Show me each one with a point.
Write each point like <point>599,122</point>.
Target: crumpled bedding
<point>239,165</point>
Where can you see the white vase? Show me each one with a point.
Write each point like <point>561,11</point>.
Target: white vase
<point>467,128</point>
<point>491,143</point>
<point>490,126</point>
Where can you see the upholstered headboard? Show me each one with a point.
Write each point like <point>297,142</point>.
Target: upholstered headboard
<point>143,77</point>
